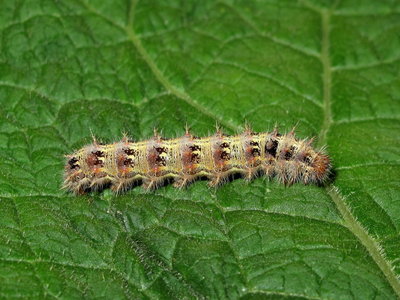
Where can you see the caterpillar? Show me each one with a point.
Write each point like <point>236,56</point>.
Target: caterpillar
<point>126,163</point>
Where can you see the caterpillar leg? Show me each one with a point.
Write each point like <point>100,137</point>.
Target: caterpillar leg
<point>152,183</point>
<point>251,173</point>
<point>121,185</point>
<point>99,183</point>
<point>269,170</point>
<point>183,181</point>
<point>83,184</point>
<point>218,179</point>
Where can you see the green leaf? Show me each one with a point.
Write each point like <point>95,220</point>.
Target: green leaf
<point>71,67</point>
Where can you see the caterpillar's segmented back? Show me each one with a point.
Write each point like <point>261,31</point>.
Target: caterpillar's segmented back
<point>124,163</point>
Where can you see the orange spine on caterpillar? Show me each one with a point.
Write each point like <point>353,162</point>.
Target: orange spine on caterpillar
<point>124,163</point>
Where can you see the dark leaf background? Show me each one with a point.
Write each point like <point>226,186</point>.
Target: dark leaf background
<point>71,67</point>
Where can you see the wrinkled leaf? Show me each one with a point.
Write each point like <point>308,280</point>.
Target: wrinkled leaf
<point>71,67</point>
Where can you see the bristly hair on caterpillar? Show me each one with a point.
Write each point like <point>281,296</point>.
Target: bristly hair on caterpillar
<point>125,163</point>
